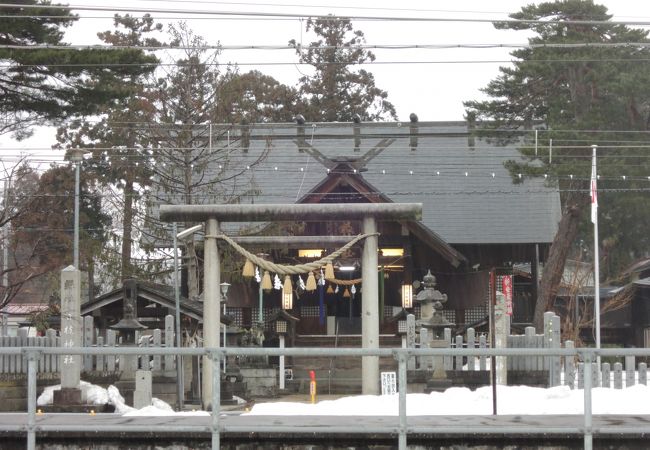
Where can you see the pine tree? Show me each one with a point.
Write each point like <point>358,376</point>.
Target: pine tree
<point>42,86</point>
<point>120,151</point>
<point>254,97</point>
<point>582,94</point>
<point>335,92</point>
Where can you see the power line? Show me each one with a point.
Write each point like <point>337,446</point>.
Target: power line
<point>302,15</point>
<point>577,45</point>
<point>333,63</point>
<point>294,5</point>
<point>220,145</point>
<point>224,127</point>
<point>111,18</point>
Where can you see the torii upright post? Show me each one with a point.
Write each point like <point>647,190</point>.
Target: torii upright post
<point>211,307</point>
<point>370,309</point>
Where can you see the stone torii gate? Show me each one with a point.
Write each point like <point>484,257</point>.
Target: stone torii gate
<point>368,213</point>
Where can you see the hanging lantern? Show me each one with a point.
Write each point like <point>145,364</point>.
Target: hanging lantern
<point>407,295</point>
<point>311,282</point>
<point>346,293</point>
<point>330,289</point>
<point>329,271</point>
<point>249,269</point>
<point>287,293</point>
<point>266,281</point>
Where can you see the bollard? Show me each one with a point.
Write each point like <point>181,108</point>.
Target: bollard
<point>312,386</point>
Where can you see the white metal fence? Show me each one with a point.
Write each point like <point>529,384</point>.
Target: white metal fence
<point>586,356</point>
<point>114,362</point>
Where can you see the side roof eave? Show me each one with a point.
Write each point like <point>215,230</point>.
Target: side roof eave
<point>146,293</point>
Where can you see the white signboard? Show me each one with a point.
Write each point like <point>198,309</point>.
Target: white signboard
<point>388,383</point>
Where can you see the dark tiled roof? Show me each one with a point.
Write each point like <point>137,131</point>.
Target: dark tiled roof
<point>152,292</point>
<point>468,196</point>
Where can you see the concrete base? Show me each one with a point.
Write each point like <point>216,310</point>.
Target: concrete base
<point>106,408</point>
<point>242,431</point>
<point>260,382</point>
<point>67,396</point>
<point>438,385</point>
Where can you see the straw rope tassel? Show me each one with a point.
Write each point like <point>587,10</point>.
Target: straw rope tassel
<point>311,282</point>
<point>249,269</point>
<point>266,281</point>
<point>329,271</point>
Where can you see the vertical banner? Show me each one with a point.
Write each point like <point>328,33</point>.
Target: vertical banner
<point>321,301</point>
<point>506,288</point>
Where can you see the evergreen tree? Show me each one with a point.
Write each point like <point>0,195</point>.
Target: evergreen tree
<point>40,85</point>
<point>120,150</point>
<point>254,97</point>
<point>19,185</point>
<point>335,92</point>
<point>42,228</point>
<point>591,92</point>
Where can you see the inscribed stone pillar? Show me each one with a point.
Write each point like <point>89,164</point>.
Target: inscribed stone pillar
<point>426,362</point>
<point>211,307</point>
<point>410,339</point>
<point>370,309</point>
<point>70,326</point>
<point>501,331</point>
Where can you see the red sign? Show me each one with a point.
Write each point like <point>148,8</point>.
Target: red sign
<point>506,288</point>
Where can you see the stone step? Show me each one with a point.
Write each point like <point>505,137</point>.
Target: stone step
<point>345,341</point>
<point>338,362</point>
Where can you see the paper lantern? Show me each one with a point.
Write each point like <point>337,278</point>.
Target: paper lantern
<point>407,296</point>
<point>287,293</point>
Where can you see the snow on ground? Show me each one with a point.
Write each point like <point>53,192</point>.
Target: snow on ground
<point>511,400</point>
<point>515,400</point>
<point>97,395</point>
<point>94,395</point>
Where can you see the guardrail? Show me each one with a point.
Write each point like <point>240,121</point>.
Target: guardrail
<point>587,355</point>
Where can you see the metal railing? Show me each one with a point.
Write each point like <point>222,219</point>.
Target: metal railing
<point>215,355</point>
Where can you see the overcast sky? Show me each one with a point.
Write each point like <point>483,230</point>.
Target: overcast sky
<point>430,82</point>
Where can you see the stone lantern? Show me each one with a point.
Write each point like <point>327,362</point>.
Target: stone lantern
<point>282,323</point>
<point>129,323</point>
<point>431,303</point>
<point>432,323</point>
